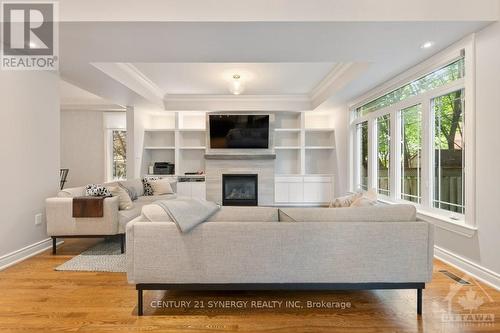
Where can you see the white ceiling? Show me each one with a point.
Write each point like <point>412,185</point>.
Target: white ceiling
<point>214,78</point>
<point>180,65</point>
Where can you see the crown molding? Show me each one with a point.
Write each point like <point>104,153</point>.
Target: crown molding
<point>329,79</point>
<point>93,107</point>
<point>131,77</point>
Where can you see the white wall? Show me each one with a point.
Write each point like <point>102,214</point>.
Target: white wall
<point>82,146</point>
<point>484,248</point>
<point>29,145</point>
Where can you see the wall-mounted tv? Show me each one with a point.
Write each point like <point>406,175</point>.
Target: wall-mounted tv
<point>239,131</point>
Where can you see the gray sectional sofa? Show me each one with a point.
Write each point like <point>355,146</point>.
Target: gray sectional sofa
<point>61,224</point>
<point>239,248</point>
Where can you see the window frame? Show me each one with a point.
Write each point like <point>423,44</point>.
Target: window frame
<point>464,224</point>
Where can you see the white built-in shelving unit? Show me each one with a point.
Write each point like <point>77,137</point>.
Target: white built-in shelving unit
<point>304,144</point>
<point>305,158</point>
<point>175,137</point>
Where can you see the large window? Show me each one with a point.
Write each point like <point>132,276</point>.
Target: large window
<point>438,78</point>
<point>424,162</point>
<point>449,151</point>
<point>383,153</point>
<point>411,153</point>
<point>119,160</point>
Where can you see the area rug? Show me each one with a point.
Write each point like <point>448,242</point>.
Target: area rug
<point>102,257</point>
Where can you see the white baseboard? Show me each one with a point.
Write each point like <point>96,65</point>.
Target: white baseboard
<point>478,272</point>
<point>26,252</point>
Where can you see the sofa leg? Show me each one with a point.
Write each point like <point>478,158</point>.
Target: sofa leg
<point>139,302</point>
<point>122,243</point>
<point>419,302</point>
<point>54,242</point>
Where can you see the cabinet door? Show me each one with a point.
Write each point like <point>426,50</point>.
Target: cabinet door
<point>184,189</point>
<point>198,190</point>
<point>317,191</point>
<point>296,192</point>
<point>281,192</point>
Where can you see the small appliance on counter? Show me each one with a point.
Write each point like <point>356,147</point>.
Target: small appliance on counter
<point>164,168</point>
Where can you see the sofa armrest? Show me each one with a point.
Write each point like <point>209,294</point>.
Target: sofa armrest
<point>60,220</point>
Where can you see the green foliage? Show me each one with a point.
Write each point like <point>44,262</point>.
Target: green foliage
<point>119,154</point>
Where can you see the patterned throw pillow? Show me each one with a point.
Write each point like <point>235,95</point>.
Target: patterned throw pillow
<point>148,190</point>
<point>132,193</point>
<point>97,190</point>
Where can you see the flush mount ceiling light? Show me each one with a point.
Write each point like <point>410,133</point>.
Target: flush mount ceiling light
<point>236,85</point>
<point>427,44</point>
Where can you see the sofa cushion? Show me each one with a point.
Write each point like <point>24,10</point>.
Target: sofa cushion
<point>245,214</point>
<point>135,185</point>
<point>72,192</point>
<point>384,213</point>
<point>155,213</point>
<point>152,198</point>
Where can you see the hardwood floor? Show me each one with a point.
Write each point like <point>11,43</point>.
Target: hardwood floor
<point>35,298</point>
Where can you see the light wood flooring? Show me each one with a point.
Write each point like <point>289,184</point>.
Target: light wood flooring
<point>35,298</point>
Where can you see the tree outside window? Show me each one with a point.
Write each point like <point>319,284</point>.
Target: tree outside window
<point>119,166</point>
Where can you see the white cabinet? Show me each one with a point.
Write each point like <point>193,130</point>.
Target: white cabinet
<point>288,189</point>
<point>198,190</point>
<point>317,189</point>
<point>303,190</point>
<point>192,189</point>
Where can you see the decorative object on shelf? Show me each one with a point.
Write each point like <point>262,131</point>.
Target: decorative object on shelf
<point>151,169</point>
<point>164,168</point>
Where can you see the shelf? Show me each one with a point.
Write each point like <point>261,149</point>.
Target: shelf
<point>192,130</point>
<point>287,129</point>
<point>159,148</point>
<point>159,130</point>
<point>319,130</point>
<point>195,148</point>
<point>320,147</point>
<point>286,147</point>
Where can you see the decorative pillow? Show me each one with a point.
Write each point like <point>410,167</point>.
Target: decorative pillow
<point>367,199</point>
<point>147,186</point>
<point>131,191</point>
<point>97,190</point>
<point>345,201</point>
<point>363,202</point>
<point>161,186</point>
<point>124,201</point>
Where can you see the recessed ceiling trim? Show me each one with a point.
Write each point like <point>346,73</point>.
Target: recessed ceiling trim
<point>237,102</point>
<point>93,107</point>
<point>128,75</point>
<point>330,79</point>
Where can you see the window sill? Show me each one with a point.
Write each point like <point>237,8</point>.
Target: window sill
<point>442,222</point>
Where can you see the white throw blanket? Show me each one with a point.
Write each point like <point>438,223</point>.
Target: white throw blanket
<point>187,213</point>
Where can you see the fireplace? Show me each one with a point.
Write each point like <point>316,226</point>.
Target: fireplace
<point>239,190</point>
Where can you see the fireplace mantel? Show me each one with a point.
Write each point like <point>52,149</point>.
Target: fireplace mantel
<point>240,156</point>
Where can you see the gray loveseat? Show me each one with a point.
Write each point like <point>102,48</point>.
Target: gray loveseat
<point>240,248</point>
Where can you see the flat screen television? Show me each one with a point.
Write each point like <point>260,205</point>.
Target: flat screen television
<point>239,131</point>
